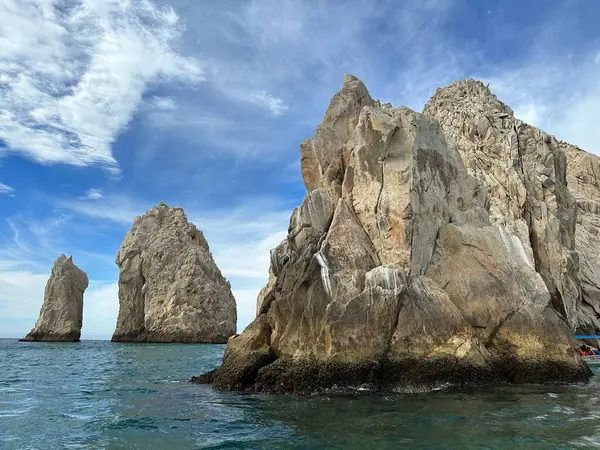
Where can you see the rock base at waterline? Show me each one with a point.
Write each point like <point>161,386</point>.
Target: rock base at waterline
<point>285,376</point>
<point>149,338</point>
<point>51,337</point>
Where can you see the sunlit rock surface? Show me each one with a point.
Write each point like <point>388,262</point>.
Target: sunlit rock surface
<point>61,315</point>
<point>170,289</point>
<point>429,248</point>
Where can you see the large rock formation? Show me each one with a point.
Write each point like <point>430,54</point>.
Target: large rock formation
<point>170,289</point>
<point>525,172</point>
<point>412,262</point>
<point>61,315</point>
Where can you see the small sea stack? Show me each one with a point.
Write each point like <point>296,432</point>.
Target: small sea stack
<point>170,289</point>
<point>61,316</point>
<point>430,248</point>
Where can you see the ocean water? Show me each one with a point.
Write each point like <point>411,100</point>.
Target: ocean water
<point>97,395</point>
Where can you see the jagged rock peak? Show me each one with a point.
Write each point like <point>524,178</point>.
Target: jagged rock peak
<point>61,315</point>
<point>525,172</point>
<point>545,190</point>
<point>170,289</point>
<point>470,93</point>
<point>410,261</point>
<point>323,158</point>
<point>349,78</point>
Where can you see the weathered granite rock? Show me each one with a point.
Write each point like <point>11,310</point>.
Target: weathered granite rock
<point>61,315</point>
<point>404,266</point>
<point>525,172</point>
<point>170,289</point>
<point>583,177</point>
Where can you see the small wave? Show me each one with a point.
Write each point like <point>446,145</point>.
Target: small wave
<point>421,389</point>
<point>588,441</point>
<point>138,423</point>
<point>78,416</point>
<point>563,410</point>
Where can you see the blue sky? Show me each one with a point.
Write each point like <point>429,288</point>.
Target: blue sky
<point>110,106</point>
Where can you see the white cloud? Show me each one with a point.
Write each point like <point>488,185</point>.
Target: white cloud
<point>241,239</point>
<point>33,243</point>
<point>245,263</point>
<point>558,97</point>
<point>72,74</point>
<point>21,294</point>
<point>116,208</point>
<point>164,103</point>
<point>246,305</point>
<point>93,194</point>
<point>263,98</point>
<point>100,310</point>
<point>6,190</point>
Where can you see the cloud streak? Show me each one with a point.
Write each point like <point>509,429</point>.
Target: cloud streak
<point>6,190</point>
<point>94,194</point>
<point>73,73</point>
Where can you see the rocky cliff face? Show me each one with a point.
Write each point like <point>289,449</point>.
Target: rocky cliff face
<point>525,171</point>
<point>583,177</point>
<point>170,289</point>
<point>412,262</point>
<point>61,315</point>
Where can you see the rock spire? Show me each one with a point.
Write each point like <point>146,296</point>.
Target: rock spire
<point>170,289</point>
<point>61,315</point>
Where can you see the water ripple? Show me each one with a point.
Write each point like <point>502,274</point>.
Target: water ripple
<point>97,395</point>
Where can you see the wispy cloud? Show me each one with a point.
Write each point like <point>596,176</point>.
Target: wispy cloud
<point>263,98</point>
<point>6,190</point>
<point>558,95</point>
<point>73,73</point>
<point>32,243</point>
<point>115,208</point>
<point>241,239</point>
<point>164,103</point>
<point>94,194</point>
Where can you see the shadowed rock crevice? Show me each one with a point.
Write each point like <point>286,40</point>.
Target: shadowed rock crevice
<point>409,262</point>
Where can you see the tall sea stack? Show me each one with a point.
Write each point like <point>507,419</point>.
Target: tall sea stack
<point>61,315</point>
<point>170,289</point>
<point>429,248</point>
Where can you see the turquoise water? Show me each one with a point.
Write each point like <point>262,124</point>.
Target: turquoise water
<point>97,395</point>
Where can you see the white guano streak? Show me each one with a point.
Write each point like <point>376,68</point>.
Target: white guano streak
<point>324,271</point>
